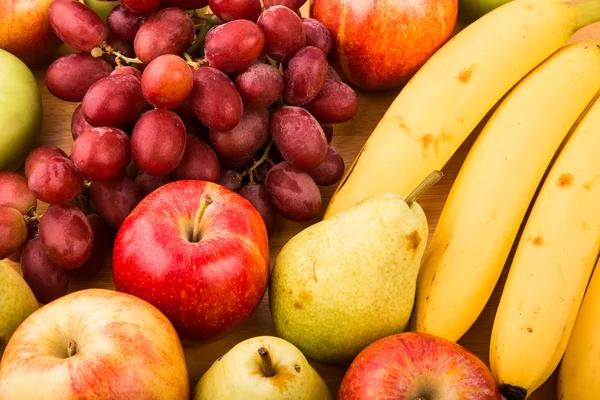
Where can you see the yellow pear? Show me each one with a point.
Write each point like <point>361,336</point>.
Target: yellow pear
<point>348,281</point>
<point>17,302</point>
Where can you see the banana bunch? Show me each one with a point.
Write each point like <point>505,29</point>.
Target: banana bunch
<point>551,269</point>
<point>454,90</point>
<point>578,377</point>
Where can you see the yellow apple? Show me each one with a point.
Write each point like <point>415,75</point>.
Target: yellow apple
<point>94,344</point>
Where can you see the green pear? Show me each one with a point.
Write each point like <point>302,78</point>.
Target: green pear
<point>265,368</point>
<point>101,7</point>
<point>20,111</point>
<point>347,281</point>
<point>17,302</point>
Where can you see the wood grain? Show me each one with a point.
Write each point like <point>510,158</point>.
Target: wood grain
<point>349,138</point>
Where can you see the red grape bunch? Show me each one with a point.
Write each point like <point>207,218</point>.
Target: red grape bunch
<point>61,243</point>
<point>243,97</point>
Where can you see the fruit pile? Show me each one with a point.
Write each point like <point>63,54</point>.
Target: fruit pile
<point>244,98</point>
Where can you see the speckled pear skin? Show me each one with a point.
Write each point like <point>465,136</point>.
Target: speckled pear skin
<point>17,302</point>
<point>345,282</point>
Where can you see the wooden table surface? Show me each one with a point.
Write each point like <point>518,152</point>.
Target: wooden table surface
<point>348,139</point>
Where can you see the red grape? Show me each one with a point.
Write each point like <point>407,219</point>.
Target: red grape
<point>328,130</point>
<point>237,164</point>
<point>293,192</point>
<point>66,235</point>
<point>77,25</point>
<point>140,6</point>
<point>185,4</point>
<point>284,33</point>
<point>47,281</point>
<point>125,23</point>
<point>40,154</point>
<point>259,85</point>
<point>169,31</point>
<point>331,169</point>
<point>55,180</point>
<point>258,197</point>
<point>299,137</point>
<point>101,154</point>
<point>293,4</point>
<point>158,142</point>
<point>332,74</point>
<point>230,179</point>
<point>114,200</point>
<point>100,249</point>
<point>228,10</point>
<point>79,124</point>
<point>304,76</point>
<point>70,77</point>
<point>126,70</point>
<point>199,162</point>
<point>15,193</point>
<point>233,46</point>
<point>113,101</point>
<point>193,126</point>
<point>245,138</point>
<point>146,184</point>
<point>132,170</point>
<point>13,231</point>
<point>167,81</point>
<point>317,34</point>
<point>215,99</point>
<point>335,103</point>
<point>124,48</point>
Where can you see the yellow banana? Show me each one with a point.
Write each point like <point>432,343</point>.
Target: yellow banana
<point>495,186</point>
<point>578,378</point>
<point>552,267</point>
<point>454,90</point>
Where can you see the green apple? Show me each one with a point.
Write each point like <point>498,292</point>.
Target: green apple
<point>474,9</point>
<point>102,8</point>
<point>20,111</point>
<point>17,302</point>
<point>264,367</point>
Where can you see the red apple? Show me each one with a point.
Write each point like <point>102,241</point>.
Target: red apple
<point>381,44</point>
<point>94,344</point>
<point>198,252</point>
<point>412,366</point>
<point>25,31</point>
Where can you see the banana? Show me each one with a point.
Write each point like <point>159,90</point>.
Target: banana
<point>578,377</point>
<point>552,267</point>
<point>454,90</point>
<point>495,186</point>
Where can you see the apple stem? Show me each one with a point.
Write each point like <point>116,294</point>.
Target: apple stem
<point>206,201</point>
<point>267,364</point>
<point>71,348</point>
<point>424,186</point>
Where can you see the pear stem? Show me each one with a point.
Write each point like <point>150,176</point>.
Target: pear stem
<point>424,186</point>
<point>71,348</point>
<point>206,201</point>
<point>267,364</point>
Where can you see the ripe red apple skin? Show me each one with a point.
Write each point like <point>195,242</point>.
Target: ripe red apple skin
<point>381,44</point>
<point>25,31</point>
<point>124,349</point>
<point>414,365</point>
<point>205,288</point>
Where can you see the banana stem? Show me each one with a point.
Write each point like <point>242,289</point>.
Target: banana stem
<point>424,186</point>
<point>588,11</point>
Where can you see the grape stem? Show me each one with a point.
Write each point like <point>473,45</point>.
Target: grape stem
<point>109,50</point>
<point>204,28</point>
<point>261,160</point>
